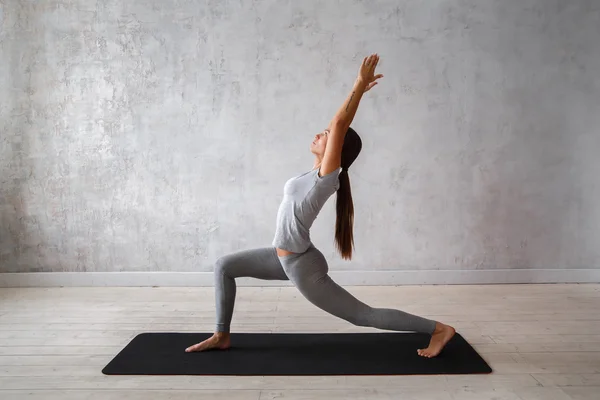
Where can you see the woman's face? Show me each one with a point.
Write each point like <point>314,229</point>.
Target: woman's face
<point>317,147</point>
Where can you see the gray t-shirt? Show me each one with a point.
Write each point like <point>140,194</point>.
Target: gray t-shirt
<point>303,198</point>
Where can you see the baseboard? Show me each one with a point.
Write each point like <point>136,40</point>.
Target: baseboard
<point>346,278</point>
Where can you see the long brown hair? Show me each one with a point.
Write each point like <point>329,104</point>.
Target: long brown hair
<point>344,224</point>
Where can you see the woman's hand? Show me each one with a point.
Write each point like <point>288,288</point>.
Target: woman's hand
<point>366,74</point>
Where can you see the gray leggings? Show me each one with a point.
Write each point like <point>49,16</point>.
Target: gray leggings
<point>308,272</point>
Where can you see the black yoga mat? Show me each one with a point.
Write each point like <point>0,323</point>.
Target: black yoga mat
<point>295,354</point>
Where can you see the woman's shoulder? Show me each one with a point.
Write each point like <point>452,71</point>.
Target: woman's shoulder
<point>327,178</point>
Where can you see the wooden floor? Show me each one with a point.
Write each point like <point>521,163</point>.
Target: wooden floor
<point>543,341</point>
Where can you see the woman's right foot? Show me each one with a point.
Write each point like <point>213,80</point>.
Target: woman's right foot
<point>440,337</point>
<point>220,341</point>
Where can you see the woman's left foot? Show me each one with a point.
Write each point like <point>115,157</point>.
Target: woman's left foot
<point>220,340</point>
<point>440,337</point>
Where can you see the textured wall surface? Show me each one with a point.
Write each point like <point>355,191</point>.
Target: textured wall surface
<point>148,135</point>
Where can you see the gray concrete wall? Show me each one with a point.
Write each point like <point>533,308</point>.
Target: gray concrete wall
<point>156,136</point>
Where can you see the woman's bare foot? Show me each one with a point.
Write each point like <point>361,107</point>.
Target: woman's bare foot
<point>440,337</point>
<point>219,340</point>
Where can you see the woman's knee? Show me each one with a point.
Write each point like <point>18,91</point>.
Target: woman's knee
<point>222,265</point>
<point>359,319</point>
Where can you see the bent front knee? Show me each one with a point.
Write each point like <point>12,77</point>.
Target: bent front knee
<point>221,266</point>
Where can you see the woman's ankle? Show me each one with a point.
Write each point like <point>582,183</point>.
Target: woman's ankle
<point>440,327</point>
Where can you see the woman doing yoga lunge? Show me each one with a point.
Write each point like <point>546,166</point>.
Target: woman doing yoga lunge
<point>293,256</point>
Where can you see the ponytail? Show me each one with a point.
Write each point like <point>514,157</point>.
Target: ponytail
<point>344,223</point>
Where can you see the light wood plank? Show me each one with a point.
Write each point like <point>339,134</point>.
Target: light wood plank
<point>491,381</point>
<point>583,393</point>
<point>56,360</point>
<point>538,347</point>
<point>65,341</point>
<point>174,394</point>
<point>59,350</point>
<point>357,394</point>
<point>568,379</point>
<point>121,319</point>
<point>546,339</point>
<point>538,327</point>
<point>552,357</point>
<point>226,383</point>
<point>48,371</point>
<point>50,334</point>
<point>535,393</point>
<point>540,393</point>
<point>134,327</point>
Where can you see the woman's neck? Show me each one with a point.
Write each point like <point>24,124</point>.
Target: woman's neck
<point>317,163</point>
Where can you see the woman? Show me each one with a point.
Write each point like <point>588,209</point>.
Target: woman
<point>293,256</point>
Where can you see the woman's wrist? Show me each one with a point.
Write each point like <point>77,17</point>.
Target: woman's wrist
<point>360,83</point>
